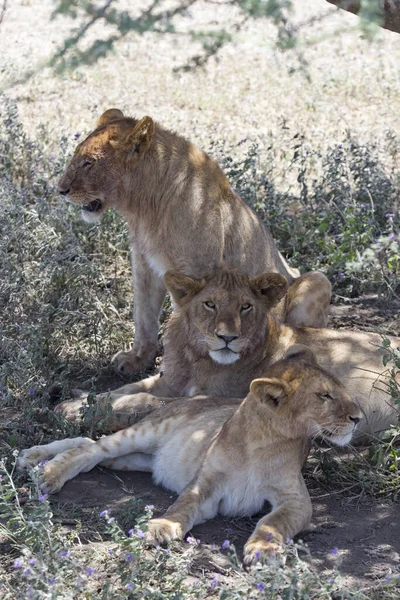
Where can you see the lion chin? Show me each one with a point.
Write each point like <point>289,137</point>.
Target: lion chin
<point>91,217</point>
<point>224,356</point>
<point>340,440</point>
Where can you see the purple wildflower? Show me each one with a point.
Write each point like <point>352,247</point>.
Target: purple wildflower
<point>128,557</point>
<point>130,532</point>
<point>27,572</point>
<point>63,553</point>
<point>89,571</point>
<point>213,584</point>
<point>334,551</point>
<point>17,563</point>
<point>140,533</point>
<point>32,561</point>
<point>104,513</point>
<point>225,545</point>
<point>52,580</point>
<point>261,585</point>
<point>31,391</point>
<point>389,215</point>
<point>43,497</point>
<point>77,136</point>
<point>130,586</point>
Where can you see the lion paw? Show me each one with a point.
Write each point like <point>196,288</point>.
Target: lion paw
<point>131,362</point>
<point>71,410</point>
<point>51,480</point>
<point>31,457</point>
<point>162,531</point>
<point>262,552</point>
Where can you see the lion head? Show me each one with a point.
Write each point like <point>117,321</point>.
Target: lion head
<point>95,177</point>
<point>226,312</point>
<point>307,400</point>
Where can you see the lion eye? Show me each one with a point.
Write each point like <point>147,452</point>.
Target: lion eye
<point>210,305</point>
<point>325,396</point>
<point>87,163</point>
<point>245,307</point>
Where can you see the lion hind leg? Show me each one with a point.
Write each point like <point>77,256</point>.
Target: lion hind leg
<point>34,455</point>
<point>306,303</point>
<point>142,437</point>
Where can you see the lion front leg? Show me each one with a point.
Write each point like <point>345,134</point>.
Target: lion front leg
<point>114,410</point>
<point>290,515</point>
<point>197,503</point>
<point>149,295</point>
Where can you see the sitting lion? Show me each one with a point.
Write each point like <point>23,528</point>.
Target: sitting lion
<point>182,215</point>
<point>223,335</point>
<point>223,455</point>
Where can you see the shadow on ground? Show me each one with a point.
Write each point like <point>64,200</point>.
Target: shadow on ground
<point>365,534</point>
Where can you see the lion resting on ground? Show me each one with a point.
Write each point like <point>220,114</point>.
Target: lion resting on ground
<point>223,455</point>
<point>182,215</point>
<point>223,335</point>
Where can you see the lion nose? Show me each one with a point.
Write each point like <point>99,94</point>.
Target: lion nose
<point>355,420</point>
<point>227,338</point>
<point>63,191</point>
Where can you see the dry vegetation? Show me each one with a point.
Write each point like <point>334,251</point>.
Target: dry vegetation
<point>310,138</point>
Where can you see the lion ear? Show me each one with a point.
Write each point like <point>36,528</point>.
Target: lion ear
<point>138,139</point>
<point>301,352</point>
<point>112,114</point>
<point>181,287</point>
<point>270,391</point>
<point>270,286</point>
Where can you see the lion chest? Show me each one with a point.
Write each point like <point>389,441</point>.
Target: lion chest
<point>245,492</point>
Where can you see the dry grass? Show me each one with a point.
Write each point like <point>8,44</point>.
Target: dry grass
<point>65,292</point>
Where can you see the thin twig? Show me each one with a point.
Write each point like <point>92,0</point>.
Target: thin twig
<point>3,11</point>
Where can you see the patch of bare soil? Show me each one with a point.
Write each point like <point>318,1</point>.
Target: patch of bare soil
<point>362,535</point>
<point>367,313</point>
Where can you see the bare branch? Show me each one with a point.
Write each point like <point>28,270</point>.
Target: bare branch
<point>3,11</point>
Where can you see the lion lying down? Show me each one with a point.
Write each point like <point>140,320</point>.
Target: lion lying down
<point>223,335</point>
<point>223,455</point>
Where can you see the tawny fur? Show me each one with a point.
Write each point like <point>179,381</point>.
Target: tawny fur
<point>189,365</point>
<point>224,456</point>
<point>182,215</point>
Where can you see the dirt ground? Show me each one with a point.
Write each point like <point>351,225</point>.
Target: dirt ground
<point>364,532</point>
